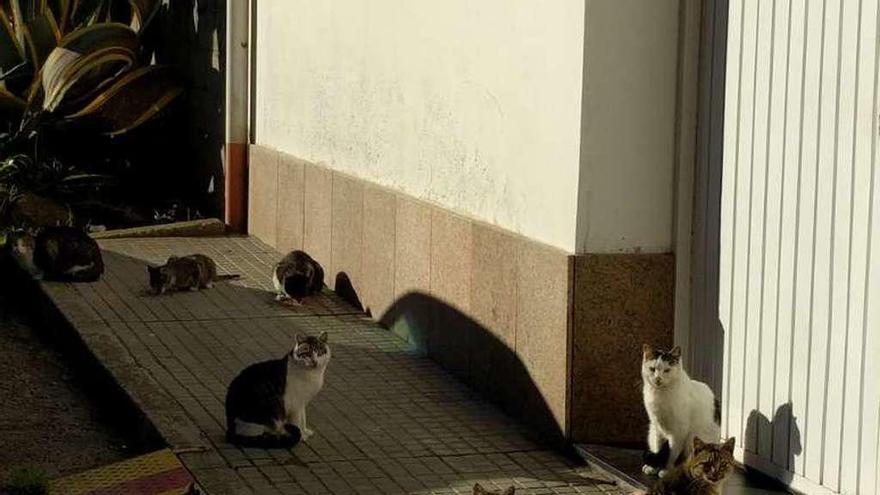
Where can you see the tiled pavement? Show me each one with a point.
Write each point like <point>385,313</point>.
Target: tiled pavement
<point>388,420</point>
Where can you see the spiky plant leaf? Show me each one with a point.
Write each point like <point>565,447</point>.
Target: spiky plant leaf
<point>132,100</point>
<point>86,60</point>
<point>42,36</point>
<point>84,12</point>
<point>11,51</point>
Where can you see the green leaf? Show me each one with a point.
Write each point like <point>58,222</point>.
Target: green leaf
<point>132,100</point>
<point>11,51</point>
<point>84,12</point>
<point>144,10</point>
<point>42,37</point>
<point>85,61</point>
<point>61,11</point>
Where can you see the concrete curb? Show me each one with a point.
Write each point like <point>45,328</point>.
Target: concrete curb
<point>102,359</point>
<point>194,228</point>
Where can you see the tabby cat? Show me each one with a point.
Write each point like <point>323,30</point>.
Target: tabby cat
<point>703,474</point>
<point>297,276</point>
<point>479,490</point>
<point>266,403</point>
<point>192,272</point>
<point>64,254</point>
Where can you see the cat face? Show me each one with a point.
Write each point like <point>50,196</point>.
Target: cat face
<point>712,461</point>
<point>160,278</point>
<point>297,286</point>
<point>479,490</point>
<point>311,352</point>
<point>660,368</point>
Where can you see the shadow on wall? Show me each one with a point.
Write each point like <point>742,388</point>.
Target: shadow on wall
<point>779,439</point>
<point>475,355</point>
<point>192,39</point>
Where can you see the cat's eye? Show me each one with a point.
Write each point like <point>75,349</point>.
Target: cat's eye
<point>666,370</point>
<point>653,369</point>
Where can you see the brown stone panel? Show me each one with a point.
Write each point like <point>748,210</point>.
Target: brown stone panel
<point>291,203</point>
<point>542,319</point>
<point>620,302</point>
<point>451,251</point>
<point>412,271</point>
<point>493,305</point>
<point>377,279</point>
<point>347,220</point>
<point>262,191</point>
<point>316,226</point>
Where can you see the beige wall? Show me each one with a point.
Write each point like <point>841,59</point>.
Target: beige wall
<point>626,194</point>
<point>472,105</point>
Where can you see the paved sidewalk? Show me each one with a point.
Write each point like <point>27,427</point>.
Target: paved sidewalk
<point>388,420</point>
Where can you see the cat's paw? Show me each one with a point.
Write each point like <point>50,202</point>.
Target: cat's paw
<point>649,470</point>
<point>306,434</point>
<point>663,473</point>
<point>280,297</point>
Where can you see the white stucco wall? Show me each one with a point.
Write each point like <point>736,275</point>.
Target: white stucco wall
<point>628,155</point>
<point>475,105</point>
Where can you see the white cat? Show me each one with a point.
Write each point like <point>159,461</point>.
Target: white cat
<point>679,407</point>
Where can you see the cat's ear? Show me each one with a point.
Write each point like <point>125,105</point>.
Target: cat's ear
<point>478,489</point>
<point>300,338</point>
<point>647,352</point>
<point>698,444</point>
<point>172,259</point>
<point>729,444</point>
<point>323,337</point>
<point>676,352</point>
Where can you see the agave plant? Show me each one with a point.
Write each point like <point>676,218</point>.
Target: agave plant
<point>79,61</point>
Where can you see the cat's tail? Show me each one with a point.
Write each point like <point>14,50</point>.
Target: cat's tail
<point>231,276</point>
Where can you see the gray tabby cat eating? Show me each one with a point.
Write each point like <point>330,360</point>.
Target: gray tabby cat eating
<point>266,403</point>
<point>192,272</point>
<point>297,276</point>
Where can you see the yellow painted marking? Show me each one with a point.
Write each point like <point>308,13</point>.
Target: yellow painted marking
<point>113,474</point>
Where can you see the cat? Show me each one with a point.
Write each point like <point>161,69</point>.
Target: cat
<point>20,244</point>
<point>703,474</point>
<point>479,490</point>
<point>266,403</point>
<point>297,276</point>
<point>192,272</point>
<point>62,254</point>
<point>678,408</point>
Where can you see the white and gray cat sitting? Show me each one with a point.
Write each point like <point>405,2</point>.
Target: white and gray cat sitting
<point>181,273</point>
<point>63,254</point>
<point>297,276</point>
<point>266,403</point>
<point>679,409</point>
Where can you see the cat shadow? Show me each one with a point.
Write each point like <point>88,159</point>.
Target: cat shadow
<point>475,355</point>
<point>778,440</point>
<point>346,291</point>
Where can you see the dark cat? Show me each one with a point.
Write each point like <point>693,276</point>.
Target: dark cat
<point>266,402</point>
<point>63,254</point>
<point>479,490</point>
<point>703,474</point>
<point>297,276</point>
<point>192,272</point>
